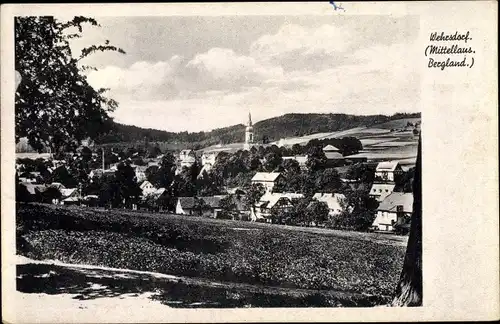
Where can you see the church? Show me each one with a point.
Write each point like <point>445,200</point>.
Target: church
<point>249,138</point>
<point>234,147</point>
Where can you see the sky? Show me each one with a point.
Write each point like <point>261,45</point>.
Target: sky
<point>195,73</point>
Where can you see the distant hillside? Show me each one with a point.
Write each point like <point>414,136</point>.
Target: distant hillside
<point>273,129</point>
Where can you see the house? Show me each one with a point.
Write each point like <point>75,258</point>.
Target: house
<point>154,163</point>
<point>90,201</point>
<point>70,196</point>
<point>108,172</point>
<point>331,149</point>
<point>199,206</point>
<point>241,211</point>
<point>187,158</point>
<point>209,158</point>
<point>140,172</point>
<point>381,190</point>
<point>333,200</point>
<point>388,171</point>
<point>35,190</point>
<point>333,156</point>
<point>355,158</point>
<point>396,208</point>
<point>272,200</point>
<point>213,204</point>
<point>267,179</point>
<point>156,195</point>
<point>208,161</point>
<point>147,188</point>
<point>185,205</point>
<point>58,163</point>
<point>57,185</point>
<point>301,159</point>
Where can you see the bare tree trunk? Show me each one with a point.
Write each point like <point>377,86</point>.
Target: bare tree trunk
<point>409,289</point>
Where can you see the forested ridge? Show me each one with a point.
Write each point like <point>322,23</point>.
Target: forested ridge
<point>269,129</point>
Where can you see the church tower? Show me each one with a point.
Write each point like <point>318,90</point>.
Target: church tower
<point>249,139</point>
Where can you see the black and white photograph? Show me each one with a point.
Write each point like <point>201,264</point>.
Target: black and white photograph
<point>219,161</point>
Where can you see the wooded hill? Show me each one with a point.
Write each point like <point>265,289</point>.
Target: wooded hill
<point>269,129</point>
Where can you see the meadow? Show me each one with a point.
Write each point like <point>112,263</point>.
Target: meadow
<point>331,267</point>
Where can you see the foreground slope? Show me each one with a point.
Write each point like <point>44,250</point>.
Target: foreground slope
<point>225,251</point>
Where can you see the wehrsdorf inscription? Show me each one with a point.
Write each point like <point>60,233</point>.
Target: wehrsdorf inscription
<point>449,50</point>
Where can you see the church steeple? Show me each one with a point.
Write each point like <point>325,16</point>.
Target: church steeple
<point>249,139</point>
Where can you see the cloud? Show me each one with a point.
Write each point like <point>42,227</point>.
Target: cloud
<point>296,47</point>
<point>140,80</point>
<point>297,69</point>
<point>225,64</point>
<point>218,69</point>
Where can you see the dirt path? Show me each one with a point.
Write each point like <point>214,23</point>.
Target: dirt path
<point>51,290</point>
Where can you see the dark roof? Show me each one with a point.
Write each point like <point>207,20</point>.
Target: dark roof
<point>333,155</point>
<point>189,202</point>
<point>213,201</point>
<point>186,202</point>
<point>240,205</point>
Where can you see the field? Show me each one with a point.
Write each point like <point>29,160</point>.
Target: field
<point>298,267</point>
<point>379,142</point>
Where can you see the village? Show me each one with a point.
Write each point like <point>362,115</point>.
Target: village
<point>312,185</point>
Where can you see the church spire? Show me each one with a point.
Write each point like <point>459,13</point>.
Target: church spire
<point>249,119</point>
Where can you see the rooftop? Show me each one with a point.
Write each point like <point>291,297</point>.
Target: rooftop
<point>387,166</point>
<point>266,176</point>
<point>397,199</point>
<point>330,148</point>
<point>269,199</point>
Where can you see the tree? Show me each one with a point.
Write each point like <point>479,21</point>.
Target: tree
<point>349,145</point>
<point>299,212</point>
<point>228,206</point>
<point>22,193</point>
<point>209,184</point>
<point>253,195</point>
<point>290,166</point>
<point>55,105</point>
<point>152,174</point>
<point>358,211</point>
<point>317,212</point>
<point>126,184</point>
<point>409,288</point>
<point>200,206</point>
<point>153,151</point>
<point>327,180</point>
<point>316,159</point>
<point>361,172</point>
<point>404,183</point>
<point>62,175</point>
<point>166,173</point>
<point>271,161</point>
<point>296,149</point>
<point>86,154</point>
<point>51,193</point>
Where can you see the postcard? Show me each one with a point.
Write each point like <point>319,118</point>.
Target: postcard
<point>250,162</point>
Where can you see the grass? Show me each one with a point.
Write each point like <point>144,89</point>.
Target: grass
<point>317,260</point>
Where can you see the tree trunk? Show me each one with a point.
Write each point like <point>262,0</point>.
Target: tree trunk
<point>409,288</point>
